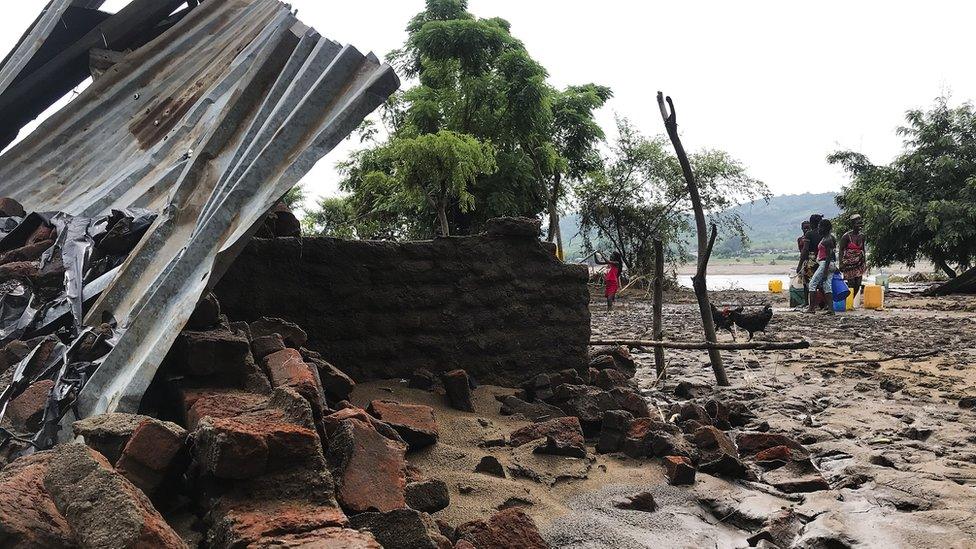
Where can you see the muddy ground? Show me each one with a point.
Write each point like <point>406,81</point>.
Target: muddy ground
<point>895,439</point>
<point>892,438</point>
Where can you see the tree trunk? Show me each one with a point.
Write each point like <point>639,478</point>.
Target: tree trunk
<point>949,271</point>
<point>704,247</point>
<point>554,234</point>
<point>658,328</point>
<point>442,217</point>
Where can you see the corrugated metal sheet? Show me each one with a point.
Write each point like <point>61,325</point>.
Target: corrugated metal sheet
<point>33,39</point>
<point>209,125</point>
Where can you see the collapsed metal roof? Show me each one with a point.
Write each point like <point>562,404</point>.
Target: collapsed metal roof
<point>207,122</point>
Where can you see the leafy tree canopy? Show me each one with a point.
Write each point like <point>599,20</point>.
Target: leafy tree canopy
<point>923,204</point>
<point>477,82</point>
<point>639,194</point>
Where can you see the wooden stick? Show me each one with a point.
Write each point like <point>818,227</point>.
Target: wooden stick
<point>798,498</point>
<point>732,346</point>
<point>704,244</point>
<point>658,327</point>
<point>862,360</point>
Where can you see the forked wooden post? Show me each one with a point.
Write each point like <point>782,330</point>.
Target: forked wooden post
<point>704,243</point>
<point>658,328</point>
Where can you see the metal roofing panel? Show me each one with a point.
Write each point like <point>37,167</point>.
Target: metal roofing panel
<point>208,125</point>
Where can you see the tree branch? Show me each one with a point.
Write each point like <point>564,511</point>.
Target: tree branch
<point>704,248</point>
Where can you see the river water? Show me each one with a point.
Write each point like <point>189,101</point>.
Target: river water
<point>749,282</point>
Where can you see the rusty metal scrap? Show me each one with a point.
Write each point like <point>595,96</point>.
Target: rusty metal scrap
<point>207,126</point>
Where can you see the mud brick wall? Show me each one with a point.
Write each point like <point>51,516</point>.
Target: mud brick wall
<point>501,307</point>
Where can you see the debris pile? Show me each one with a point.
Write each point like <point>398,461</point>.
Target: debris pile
<point>248,439</point>
<point>50,265</point>
<point>201,116</point>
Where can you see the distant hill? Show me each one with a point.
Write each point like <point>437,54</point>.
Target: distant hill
<point>777,224</point>
<point>774,225</point>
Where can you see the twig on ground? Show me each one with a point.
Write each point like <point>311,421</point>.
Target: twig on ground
<point>772,491</point>
<point>863,360</point>
<point>724,346</point>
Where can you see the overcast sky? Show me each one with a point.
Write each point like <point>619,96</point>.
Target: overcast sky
<point>777,84</point>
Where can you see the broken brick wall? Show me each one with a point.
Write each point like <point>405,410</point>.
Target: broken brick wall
<point>500,306</point>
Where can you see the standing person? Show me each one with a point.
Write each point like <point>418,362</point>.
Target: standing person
<point>612,279</point>
<point>853,262</point>
<point>801,244</point>
<point>802,241</point>
<point>808,255</point>
<point>826,266</point>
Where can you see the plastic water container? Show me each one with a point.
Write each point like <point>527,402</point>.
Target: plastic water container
<point>840,306</point>
<point>776,286</point>
<point>849,302</point>
<point>873,297</point>
<point>882,280</point>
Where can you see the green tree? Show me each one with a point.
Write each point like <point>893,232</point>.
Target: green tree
<point>639,194</point>
<point>575,134</point>
<point>335,217</point>
<point>477,81</point>
<point>295,197</point>
<point>923,204</point>
<point>437,169</point>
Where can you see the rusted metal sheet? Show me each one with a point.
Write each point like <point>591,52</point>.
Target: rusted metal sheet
<point>208,126</point>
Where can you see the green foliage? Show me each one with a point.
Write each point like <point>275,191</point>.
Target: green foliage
<point>922,205</point>
<point>294,198</point>
<point>335,217</point>
<point>640,194</point>
<point>437,169</point>
<point>503,131</point>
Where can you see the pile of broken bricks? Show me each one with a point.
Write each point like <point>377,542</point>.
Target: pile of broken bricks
<point>710,436</point>
<point>247,439</point>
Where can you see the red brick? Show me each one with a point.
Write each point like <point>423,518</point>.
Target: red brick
<point>108,434</point>
<point>369,469</point>
<point>566,429</point>
<point>259,523</point>
<point>776,453</point>
<point>678,470</point>
<point>609,378</point>
<point>334,420</point>
<point>29,516</point>
<point>286,367</point>
<point>101,506</point>
<point>329,538</point>
<point>252,444</point>
<point>750,443</point>
<point>216,403</point>
<point>414,422</point>
<point>150,452</point>
<point>712,443</point>
<point>30,252</point>
<point>458,388</point>
<point>9,207</point>
<point>27,410</point>
<point>504,530</point>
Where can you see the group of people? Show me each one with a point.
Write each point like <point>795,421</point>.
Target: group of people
<point>821,257</point>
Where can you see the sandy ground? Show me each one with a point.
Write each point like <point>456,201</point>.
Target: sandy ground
<point>890,437</point>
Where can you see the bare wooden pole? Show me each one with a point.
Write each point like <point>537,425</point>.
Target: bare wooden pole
<point>658,328</point>
<point>725,346</point>
<point>704,246</point>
